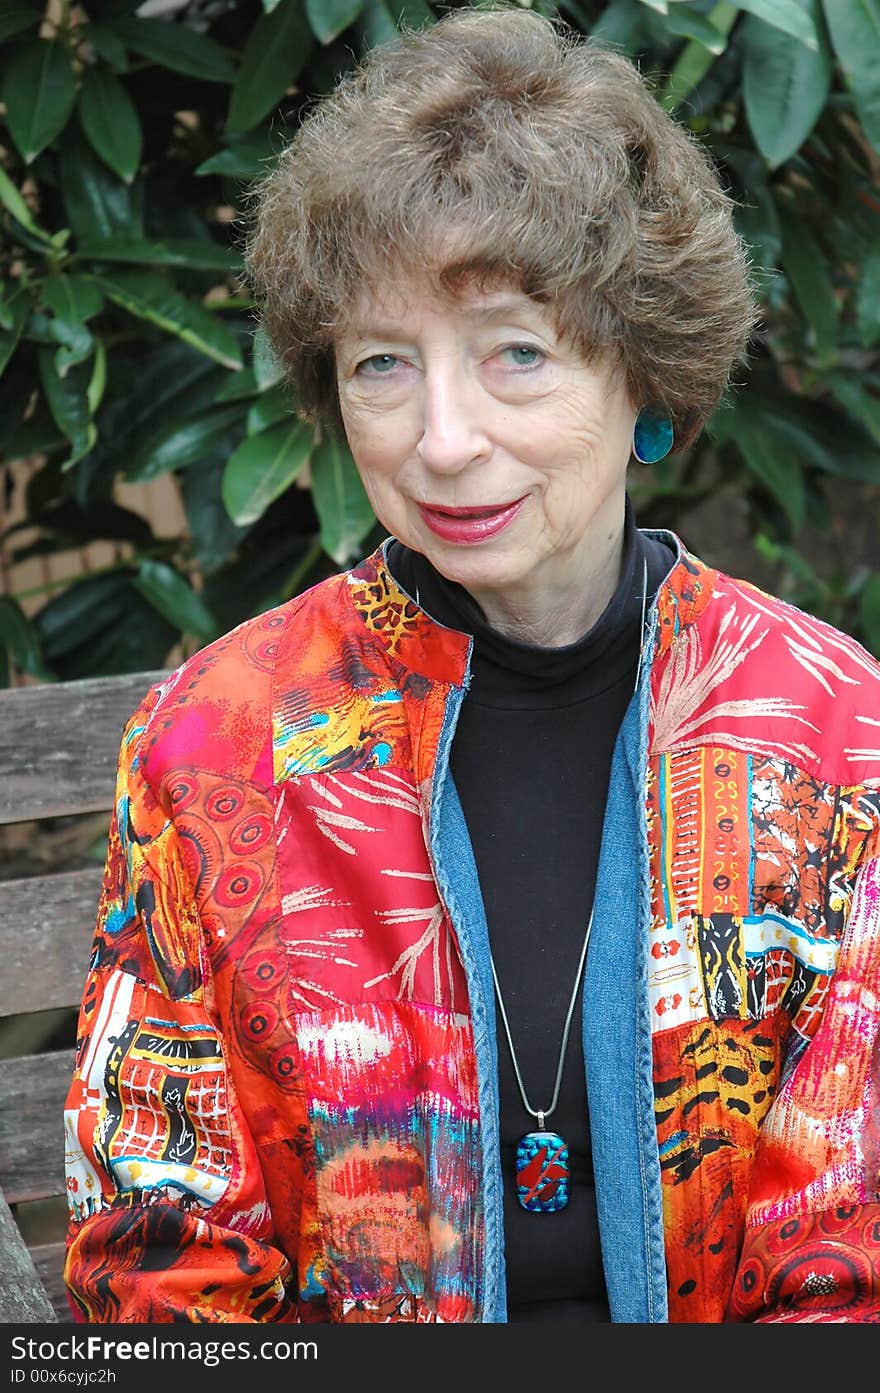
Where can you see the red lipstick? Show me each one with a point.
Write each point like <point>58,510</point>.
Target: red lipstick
<point>469,525</point>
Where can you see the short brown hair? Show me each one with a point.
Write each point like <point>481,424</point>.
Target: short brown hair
<point>568,179</point>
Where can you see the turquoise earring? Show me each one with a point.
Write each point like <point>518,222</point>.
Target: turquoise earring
<point>652,435</point>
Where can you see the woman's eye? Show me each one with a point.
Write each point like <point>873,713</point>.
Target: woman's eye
<point>524,355</point>
<point>379,363</point>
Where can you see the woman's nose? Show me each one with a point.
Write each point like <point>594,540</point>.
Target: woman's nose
<point>454,430</point>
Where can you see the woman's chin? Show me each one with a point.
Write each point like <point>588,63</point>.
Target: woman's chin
<point>481,567</point>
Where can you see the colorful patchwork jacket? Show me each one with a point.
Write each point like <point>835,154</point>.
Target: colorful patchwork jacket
<point>284,1105</point>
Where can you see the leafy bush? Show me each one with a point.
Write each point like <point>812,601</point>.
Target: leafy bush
<point>127,343</point>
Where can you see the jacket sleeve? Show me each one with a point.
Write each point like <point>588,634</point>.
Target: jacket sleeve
<point>168,1215</point>
<point>812,1241</point>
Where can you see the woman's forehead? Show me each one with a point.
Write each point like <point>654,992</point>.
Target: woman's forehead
<point>406,297</point>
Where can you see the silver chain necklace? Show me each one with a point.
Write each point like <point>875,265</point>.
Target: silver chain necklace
<point>542,1166</point>
<point>539,1113</point>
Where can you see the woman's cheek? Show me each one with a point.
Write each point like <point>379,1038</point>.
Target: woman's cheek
<point>379,491</point>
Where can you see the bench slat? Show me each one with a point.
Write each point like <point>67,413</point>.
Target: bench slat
<point>32,1093</point>
<point>48,1259</point>
<point>47,923</point>
<point>59,744</point>
<point>23,1297</point>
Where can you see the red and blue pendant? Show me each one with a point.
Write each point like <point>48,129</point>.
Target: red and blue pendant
<point>542,1172</point>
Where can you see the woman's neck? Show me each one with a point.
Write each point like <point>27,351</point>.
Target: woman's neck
<point>557,612</point>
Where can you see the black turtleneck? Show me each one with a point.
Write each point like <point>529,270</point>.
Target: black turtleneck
<point>531,758</point>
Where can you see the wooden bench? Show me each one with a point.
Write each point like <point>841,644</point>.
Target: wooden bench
<point>59,745</point>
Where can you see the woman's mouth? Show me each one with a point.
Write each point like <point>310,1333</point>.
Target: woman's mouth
<point>469,525</point>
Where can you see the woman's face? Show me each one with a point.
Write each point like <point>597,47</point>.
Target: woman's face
<point>486,442</point>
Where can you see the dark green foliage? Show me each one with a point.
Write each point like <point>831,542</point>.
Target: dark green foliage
<point>127,344</point>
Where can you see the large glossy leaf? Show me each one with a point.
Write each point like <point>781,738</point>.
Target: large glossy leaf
<point>275,54</point>
<point>98,379</point>
<point>74,617</point>
<point>807,269</point>
<point>74,298</point>
<point>150,296</point>
<point>37,328</point>
<point>170,383</point>
<point>272,406</point>
<point>19,643</point>
<point>39,90</point>
<point>108,46</point>
<point>256,579</point>
<point>176,444</point>
<point>785,86</point>
<point>214,537</point>
<point>97,202</point>
<point>103,625</point>
<point>75,344</point>
<point>237,386</point>
<point>75,526</point>
<point>868,298</point>
<point>415,14</point>
<point>859,403</point>
<point>787,15</point>
<point>695,61</point>
<point>773,462</point>
<point>175,46</point>
<point>262,467</point>
<point>683,21</point>
<point>17,307</point>
<point>13,201</point>
<point>172,595</point>
<point>822,439</point>
<point>110,120</point>
<point>196,253</point>
<point>377,24</point>
<point>620,23</point>
<point>7,318</point>
<point>67,398</point>
<point>329,18</point>
<point>247,156</point>
<point>854,26</point>
<point>343,508</point>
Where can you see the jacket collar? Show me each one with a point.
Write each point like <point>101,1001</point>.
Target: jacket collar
<point>683,595</point>
<point>412,639</point>
<point>417,642</point>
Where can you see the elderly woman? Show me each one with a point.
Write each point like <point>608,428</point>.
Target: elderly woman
<point>491,932</point>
